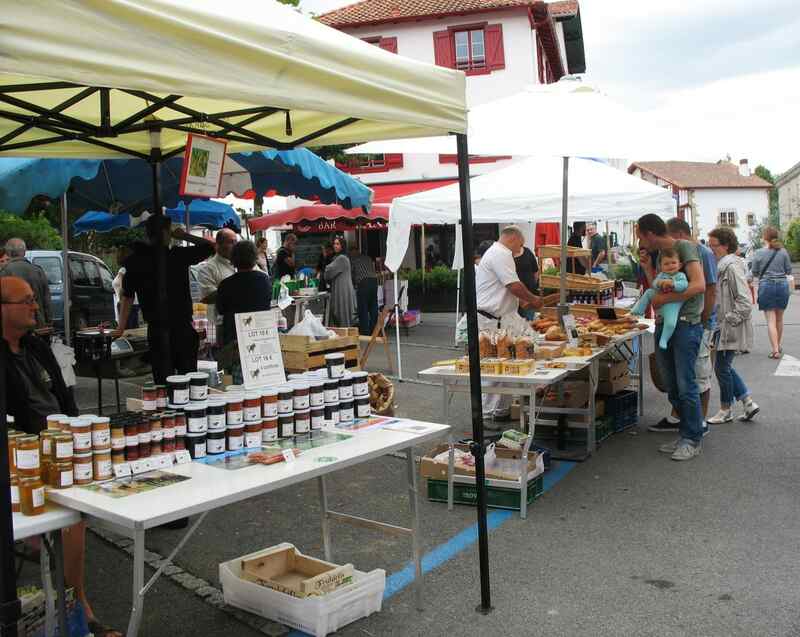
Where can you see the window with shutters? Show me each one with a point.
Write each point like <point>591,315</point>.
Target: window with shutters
<point>727,217</point>
<point>387,44</point>
<point>375,163</point>
<point>476,49</point>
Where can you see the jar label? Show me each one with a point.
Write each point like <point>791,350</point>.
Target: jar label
<point>216,421</point>
<point>287,430</point>
<point>317,399</point>
<point>200,450</point>
<point>64,449</point>
<point>82,471</point>
<point>27,458</point>
<point>336,371</point>
<point>144,438</point>
<point>301,402</point>
<point>331,395</point>
<point>335,416</point>
<point>361,389</point>
<point>180,396</point>
<point>180,430</point>
<point>149,405</point>
<point>101,437</point>
<point>161,402</point>
<point>157,435</point>
<point>252,413</point>
<point>81,440</point>
<point>46,447</point>
<point>363,411</point>
<point>268,435</point>
<point>14,494</point>
<point>102,469</point>
<point>169,433</point>
<point>215,445</point>
<point>285,406</point>
<point>132,441</point>
<point>197,424</point>
<point>235,442</point>
<point>301,425</point>
<point>345,393</point>
<point>270,410</point>
<point>317,421</point>
<point>346,415</point>
<point>198,392</point>
<point>234,417</point>
<point>118,443</point>
<point>252,440</point>
<point>37,495</point>
<point>66,478</point>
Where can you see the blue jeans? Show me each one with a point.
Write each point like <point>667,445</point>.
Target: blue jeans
<point>731,385</point>
<point>676,364</point>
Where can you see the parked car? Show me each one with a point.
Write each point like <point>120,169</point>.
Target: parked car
<point>91,292</point>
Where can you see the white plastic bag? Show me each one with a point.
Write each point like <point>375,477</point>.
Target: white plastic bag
<point>461,330</point>
<point>284,298</point>
<point>311,326</point>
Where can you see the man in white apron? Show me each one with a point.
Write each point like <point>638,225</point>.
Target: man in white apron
<point>499,292</point>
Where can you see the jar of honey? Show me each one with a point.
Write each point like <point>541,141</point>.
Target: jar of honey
<point>31,496</point>
<point>54,421</point>
<point>81,435</point>
<point>61,475</point>
<point>14,493</point>
<point>28,461</point>
<point>101,433</point>
<point>62,447</point>
<point>82,470</point>
<point>101,465</point>
<point>13,440</point>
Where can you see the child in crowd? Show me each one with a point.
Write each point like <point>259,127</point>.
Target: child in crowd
<point>669,279</point>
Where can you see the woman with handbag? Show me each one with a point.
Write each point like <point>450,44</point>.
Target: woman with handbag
<point>734,309</point>
<point>771,265</point>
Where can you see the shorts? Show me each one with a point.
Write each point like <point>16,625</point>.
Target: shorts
<point>702,367</point>
<point>773,294</point>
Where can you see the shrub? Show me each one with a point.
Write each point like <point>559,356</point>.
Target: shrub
<point>439,279</point>
<point>793,239</point>
<point>37,232</point>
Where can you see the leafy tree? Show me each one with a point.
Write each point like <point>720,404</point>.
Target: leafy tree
<point>37,232</point>
<point>291,3</point>
<point>792,242</point>
<point>774,212</point>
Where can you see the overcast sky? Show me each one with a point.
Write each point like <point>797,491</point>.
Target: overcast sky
<point>728,71</point>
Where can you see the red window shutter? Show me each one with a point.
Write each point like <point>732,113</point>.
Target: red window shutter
<point>495,54</point>
<point>393,160</point>
<point>443,52</point>
<point>388,44</point>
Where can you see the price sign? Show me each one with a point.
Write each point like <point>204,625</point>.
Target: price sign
<point>139,466</point>
<point>260,348</point>
<point>288,455</point>
<point>571,329</point>
<point>163,461</point>
<point>122,470</point>
<point>182,457</point>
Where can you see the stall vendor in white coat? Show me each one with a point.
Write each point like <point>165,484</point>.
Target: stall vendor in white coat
<point>499,292</point>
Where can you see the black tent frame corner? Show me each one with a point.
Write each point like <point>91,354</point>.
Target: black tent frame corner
<point>232,126</point>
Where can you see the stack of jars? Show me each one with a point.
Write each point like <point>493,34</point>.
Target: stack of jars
<point>27,487</point>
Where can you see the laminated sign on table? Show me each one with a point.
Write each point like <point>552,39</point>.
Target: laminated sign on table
<point>260,349</point>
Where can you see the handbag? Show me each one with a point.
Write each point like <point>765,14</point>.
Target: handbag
<point>655,375</point>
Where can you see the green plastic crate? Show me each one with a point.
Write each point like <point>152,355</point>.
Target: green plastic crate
<point>498,497</point>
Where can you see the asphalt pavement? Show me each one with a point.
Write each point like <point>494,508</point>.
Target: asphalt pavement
<point>626,543</point>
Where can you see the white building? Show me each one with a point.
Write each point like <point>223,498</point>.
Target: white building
<point>788,185</point>
<point>502,46</point>
<point>711,194</point>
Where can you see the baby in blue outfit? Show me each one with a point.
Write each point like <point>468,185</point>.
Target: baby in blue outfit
<point>670,279</point>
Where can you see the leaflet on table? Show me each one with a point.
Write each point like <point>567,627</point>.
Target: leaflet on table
<point>364,424</point>
<point>260,348</point>
<point>123,487</point>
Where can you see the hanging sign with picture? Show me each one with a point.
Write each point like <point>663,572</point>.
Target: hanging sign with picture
<point>202,166</point>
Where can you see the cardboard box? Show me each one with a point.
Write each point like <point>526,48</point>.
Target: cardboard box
<point>575,396</point>
<point>438,470</point>
<point>614,386</point>
<point>287,570</point>
<point>612,369</point>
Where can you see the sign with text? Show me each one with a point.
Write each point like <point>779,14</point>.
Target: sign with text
<point>260,348</point>
<point>337,225</point>
<point>202,166</point>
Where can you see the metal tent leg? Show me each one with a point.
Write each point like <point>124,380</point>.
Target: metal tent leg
<point>413,500</point>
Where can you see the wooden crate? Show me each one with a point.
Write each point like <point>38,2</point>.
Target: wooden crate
<point>302,353</point>
<point>581,309</point>
<point>554,252</point>
<point>579,282</point>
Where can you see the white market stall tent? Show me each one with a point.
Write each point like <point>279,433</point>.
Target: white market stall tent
<point>528,191</point>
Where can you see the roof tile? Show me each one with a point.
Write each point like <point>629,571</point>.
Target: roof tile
<point>697,174</point>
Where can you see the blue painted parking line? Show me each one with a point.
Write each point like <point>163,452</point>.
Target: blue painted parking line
<point>396,582</point>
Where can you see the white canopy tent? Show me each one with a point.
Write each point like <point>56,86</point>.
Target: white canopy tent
<point>528,191</point>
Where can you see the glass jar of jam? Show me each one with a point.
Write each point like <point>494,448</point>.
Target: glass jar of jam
<point>286,425</point>
<point>360,384</point>
<point>252,406</point>
<point>317,418</point>
<point>180,424</point>
<point>215,441</point>
<point>301,392</point>
<point>81,435</point>
<point>334,363</point>
<point>82,469</point>
<point>331,391</point>
<point>61,474</point>
<point>132,440</point>
<point>149,398</point>
<point>54,421</point>
<point>102,468</point>
<point>144,438</point>
<point>269,403</point>
<point>215,413</point>
<point>285,399</point>
<point>234,409</point>
<point>302,421</point>
<point>346,411</point>
<point>14,493</point>
<point>252,434</point>
<point>269,431</point>
<point>196,444</point>
<point>235,437</point>
<point>196,420</point>
<point>101,433</point>
<point>363,409</point>
<point>31,496</point>
<point>161,396</point>
<point>178,389</point>
<point>346,387</point>
<point>331,414</point>
<point>317,393</point>
<point>198,385</point>
<point>28,461</point>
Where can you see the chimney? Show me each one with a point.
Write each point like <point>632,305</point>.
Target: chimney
<point>744,168</point>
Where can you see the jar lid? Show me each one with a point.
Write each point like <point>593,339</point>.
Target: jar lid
<point>239,426</point>
<point>97,452</point>
<point>272,391</point>
<point>24,480</point>
<point>191,434</point>
<point>81,422</point>
<point>50,417</point>
<point>300,384</point>
<point>284,389</point>
<point>178,378</point>
<point>160,386</point>
<point>294,376</point>
<point>216,402</point>
<point>198,405</point>
<point>234,388</point>
<point>333,382</point>
<point>85,454</point>
<point>252,395</point>
<point>301,412</point>
<point>316,382</point>
<point>148,387</point>
<point>175,407</point>
<point>197,376</point>
<point>360,375</point>
<point>100,420</point>
<point>234,398</point>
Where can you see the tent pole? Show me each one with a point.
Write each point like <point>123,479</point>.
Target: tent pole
<point>458,294</point>
<point>9,603</point>
<point>563,308</point>
<point>477,446</point>
<point>161,255</point>
<point>65,269</point>
<point>397,330</point>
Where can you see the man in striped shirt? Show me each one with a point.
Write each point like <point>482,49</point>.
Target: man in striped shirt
<point>365,282</point>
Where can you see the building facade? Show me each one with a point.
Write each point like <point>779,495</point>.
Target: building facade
<point>711,194</point>
<point>501,45</point>
<point>788,185</point>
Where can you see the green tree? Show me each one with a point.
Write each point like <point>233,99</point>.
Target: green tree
<point>792,241</point>
<point>291,3</point>
<point>774,212</point>
<point>37,232</point>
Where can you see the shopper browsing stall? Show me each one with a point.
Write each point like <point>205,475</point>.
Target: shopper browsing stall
<point>284,259</point>
<point>365,283</point>
<point>176,317</point>
<point>338,275</point>
<point>325,257</point>
<point>499,292</point>
<point>577,265</point>
<point>677,361</point>
<point>214,271</point>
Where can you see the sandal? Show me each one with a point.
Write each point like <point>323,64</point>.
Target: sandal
<point>98,630</point>
<point>774,355</point>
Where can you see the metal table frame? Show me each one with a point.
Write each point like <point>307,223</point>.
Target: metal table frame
<point>137,530</point>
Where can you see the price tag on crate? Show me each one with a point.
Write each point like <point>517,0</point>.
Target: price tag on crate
<point>182,457</point>
<point>122,470</point>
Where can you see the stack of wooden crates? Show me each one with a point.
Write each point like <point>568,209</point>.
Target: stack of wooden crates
<point>304,353</point>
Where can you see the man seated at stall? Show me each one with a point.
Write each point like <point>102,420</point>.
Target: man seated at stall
<point>249,290</point>
<point>34,389</point>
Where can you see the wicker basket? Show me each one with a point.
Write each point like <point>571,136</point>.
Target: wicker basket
<point>579,282</point>
<point>554,252</point>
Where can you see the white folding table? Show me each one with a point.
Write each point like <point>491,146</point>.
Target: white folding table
<point>48,526</point>
<point>210,488</point>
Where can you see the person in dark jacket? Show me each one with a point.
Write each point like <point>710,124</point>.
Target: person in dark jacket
<point>35,389</point>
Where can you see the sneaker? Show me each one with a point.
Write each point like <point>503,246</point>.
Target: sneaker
<point>750,411</point>
<point>670,447</point>
<point>721,417</point>
<point>706,429</point>
<point>686,451</point>
<point>664,425</point>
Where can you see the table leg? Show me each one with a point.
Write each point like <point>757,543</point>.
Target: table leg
<point>327,303</point>
<point>58,549</point>
<point>47,585</point>
<point>326,529</point>
<point>138,583</point>
<point>640,382</point>
<point>415,543</point>
<point>594,376</point>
